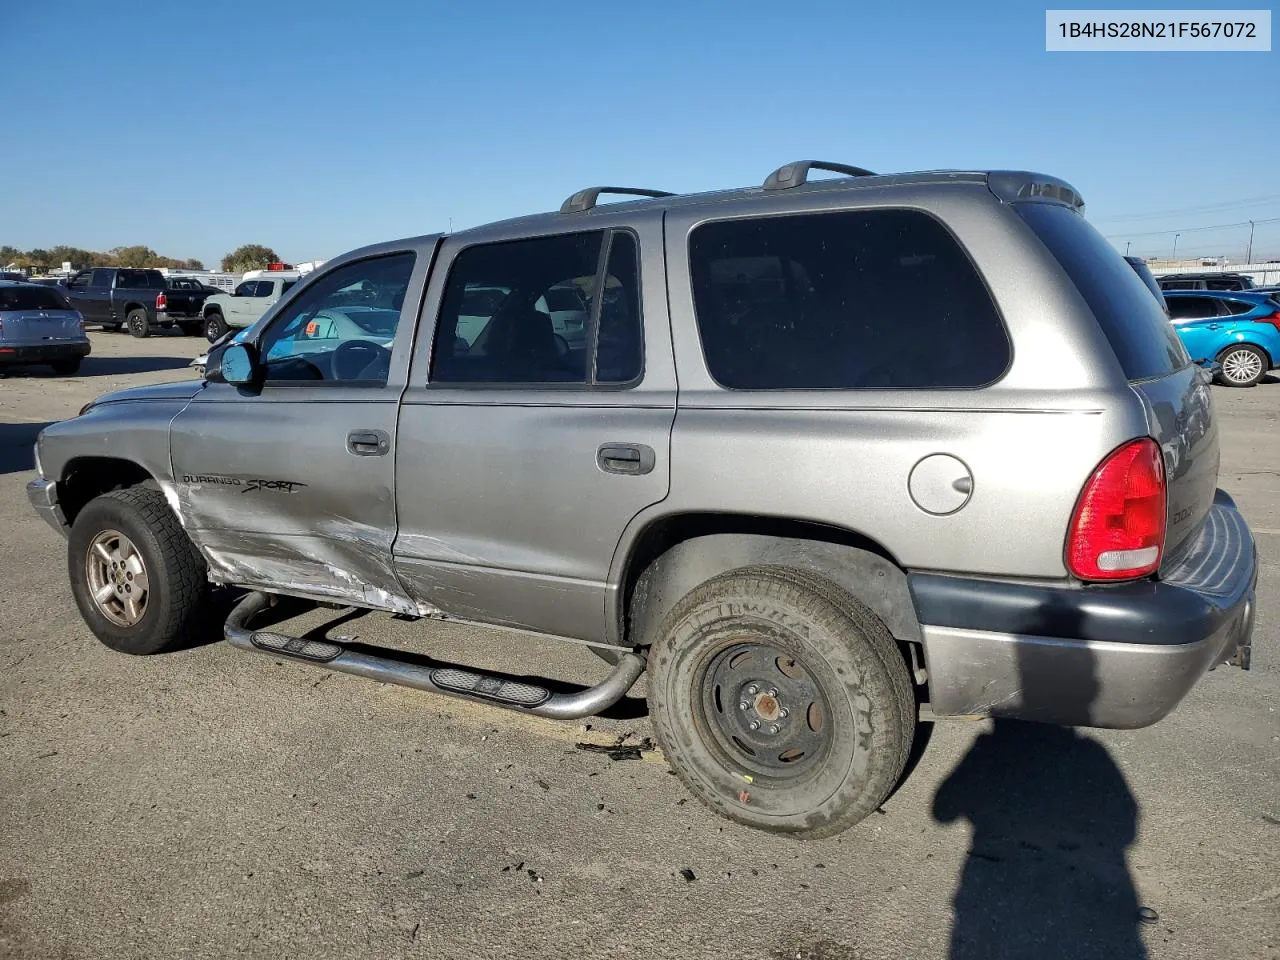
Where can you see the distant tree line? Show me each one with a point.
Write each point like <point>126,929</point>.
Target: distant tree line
<point>55,257</point>
<point>251,256</point>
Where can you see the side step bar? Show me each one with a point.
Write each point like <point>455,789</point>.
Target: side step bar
<point>451,681</point>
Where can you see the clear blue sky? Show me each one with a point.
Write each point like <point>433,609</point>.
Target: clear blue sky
<point>316,127</point>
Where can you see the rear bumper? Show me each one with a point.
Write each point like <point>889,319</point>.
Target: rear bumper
<point>1099,656</point>
<point>45,352</point>
<point>43,495</point>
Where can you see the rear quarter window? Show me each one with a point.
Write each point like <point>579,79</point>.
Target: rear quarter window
<point>867,299</point>
<point>1139,333</point>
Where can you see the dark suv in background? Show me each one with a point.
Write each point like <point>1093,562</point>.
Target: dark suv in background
<point>1205,281</point>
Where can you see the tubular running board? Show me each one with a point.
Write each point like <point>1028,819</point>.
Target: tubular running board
<point>451,681</point>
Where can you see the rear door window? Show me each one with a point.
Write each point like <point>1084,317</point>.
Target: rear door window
<point>1192,308</point>
<point>1139,333</point>
<point>140,280</point>
<point>859,299</point>
<point>1237,307</point>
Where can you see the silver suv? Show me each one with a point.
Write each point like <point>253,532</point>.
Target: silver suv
<point>831,456</point>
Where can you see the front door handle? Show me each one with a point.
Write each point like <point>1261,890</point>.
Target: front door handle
<point>628,459</point>
<point>368,443</point>
<point>1214,326</point>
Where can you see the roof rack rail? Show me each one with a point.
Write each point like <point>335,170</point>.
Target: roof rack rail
<point>584,200</point>
<point>796,173</point>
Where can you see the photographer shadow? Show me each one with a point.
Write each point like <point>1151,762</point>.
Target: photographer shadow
<point>1046,874</point>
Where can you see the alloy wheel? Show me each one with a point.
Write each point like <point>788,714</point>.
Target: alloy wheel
<point>117,578</point>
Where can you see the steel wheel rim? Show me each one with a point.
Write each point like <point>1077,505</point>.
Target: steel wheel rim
<point>1241,366</point>
<point>757,683</point>
<point>117,578</point>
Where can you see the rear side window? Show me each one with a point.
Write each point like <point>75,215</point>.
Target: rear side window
<point>1132,321</point>
<point>1192,308</point>
<point>1237,307</point>
<point>140,280</point>
<point>32,298</point>
<point>860,299</point>
<point>540,311</point>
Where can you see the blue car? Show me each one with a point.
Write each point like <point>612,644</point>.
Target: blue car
<point>1240,329</point>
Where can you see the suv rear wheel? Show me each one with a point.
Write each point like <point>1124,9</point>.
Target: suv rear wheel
<point>1242,365</point>
<point>140,584</point>
<point>781,701</point>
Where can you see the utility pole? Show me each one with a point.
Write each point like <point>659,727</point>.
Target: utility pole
<point>1175,245</point>
<point>1248,257</point>
<point>1127,245</point>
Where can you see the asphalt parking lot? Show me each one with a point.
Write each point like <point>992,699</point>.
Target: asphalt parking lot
<point>206,803</point>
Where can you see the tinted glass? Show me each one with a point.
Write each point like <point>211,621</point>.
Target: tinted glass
<point>491,329</point>
<point>140,280</point>
<point>1180,284</point>
<point>620,350</point>
<point>1237,307</point>
<point>323,335</point>
<point>80,281</point>
<point>865,299</point>
<point>32,298</point>
<point>1228,284</point>
<point>286,285</point>
<point>1137,329</point>
<point>1145,275</point>
<point>102,278</point>
<point>245,289</point>
<point>1192,308</point>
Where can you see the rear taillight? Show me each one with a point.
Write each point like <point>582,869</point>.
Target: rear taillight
<point>1274,320</point>
<point>162,302</point>
<point>1117,530</point>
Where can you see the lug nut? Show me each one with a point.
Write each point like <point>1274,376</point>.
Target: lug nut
<point>774,728</point>
<point>753,690</point>
<point>773,691</point>
<point>784,713</point>
<point>754,724</point>
<point>743,705</point>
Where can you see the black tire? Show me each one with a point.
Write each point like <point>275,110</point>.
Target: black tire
<point>64,368</point>
<point>866,708</point>
<point>214,326</point>
<point>178,588</point>
<point>137,323</point>
<point>1243,365</point>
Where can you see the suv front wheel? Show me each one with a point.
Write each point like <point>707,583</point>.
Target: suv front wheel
<point>781,701</point>
<point>140,584</point>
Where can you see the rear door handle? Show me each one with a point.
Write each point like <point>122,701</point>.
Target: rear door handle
<point>368,443</point>
<point>1214,326</point>
<point>628,459</point>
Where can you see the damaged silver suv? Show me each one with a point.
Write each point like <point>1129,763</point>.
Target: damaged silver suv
<point>829,456</point>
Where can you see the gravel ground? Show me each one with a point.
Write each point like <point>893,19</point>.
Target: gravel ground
<point>210,804</point>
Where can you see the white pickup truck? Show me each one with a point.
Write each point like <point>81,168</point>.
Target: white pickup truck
<point>246,303</point>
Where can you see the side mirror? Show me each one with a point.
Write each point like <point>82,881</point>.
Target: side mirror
<point>234,363</point>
